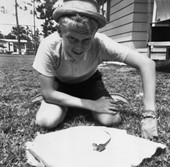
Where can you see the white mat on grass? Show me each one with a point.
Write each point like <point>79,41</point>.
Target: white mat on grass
<point>72,147</point>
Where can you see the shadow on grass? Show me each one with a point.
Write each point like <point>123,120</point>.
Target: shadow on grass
<point>163,66</point>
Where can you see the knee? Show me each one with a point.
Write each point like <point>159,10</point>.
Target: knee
<point>50,118</point>
<point>47,123</point>
<point>110,120</point>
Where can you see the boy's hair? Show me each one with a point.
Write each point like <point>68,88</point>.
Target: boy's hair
<point>80,24</point>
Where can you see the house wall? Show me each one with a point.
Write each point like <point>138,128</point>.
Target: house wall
<point>10,45</point>
<point>128,22</point>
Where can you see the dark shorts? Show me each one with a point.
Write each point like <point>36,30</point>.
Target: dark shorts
<point>93,88</point>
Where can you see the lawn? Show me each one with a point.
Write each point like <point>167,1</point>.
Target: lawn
<point>19,84</point>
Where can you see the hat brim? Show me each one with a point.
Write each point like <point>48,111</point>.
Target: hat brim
<point>67,11</point>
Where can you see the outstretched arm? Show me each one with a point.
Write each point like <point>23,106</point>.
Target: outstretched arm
<point>147,69</point>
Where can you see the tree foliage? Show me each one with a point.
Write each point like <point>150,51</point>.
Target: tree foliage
<point>23,32</point>
<point>44,11</point>
<point>10,36</point>
<point>1,35</point>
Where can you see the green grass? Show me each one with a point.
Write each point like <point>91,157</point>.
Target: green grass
<point>19,83</point>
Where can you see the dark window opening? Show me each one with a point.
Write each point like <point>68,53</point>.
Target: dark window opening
<point>104,8</point>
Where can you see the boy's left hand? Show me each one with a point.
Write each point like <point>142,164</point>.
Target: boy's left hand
<point>149,128</point>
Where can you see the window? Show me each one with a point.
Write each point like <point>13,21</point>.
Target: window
<point>22,45</point>
<point>104,8</point>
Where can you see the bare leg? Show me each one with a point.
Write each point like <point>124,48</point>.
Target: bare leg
<point>50,115</point>
<point>108,119</point>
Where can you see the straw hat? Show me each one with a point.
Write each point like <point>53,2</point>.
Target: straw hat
<point>87,8</point>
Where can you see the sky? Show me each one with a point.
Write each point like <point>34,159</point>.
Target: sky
<point>8,18</point>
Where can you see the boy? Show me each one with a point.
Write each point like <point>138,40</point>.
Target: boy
<point>70,58</point>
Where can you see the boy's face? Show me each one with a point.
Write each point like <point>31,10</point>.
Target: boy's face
<point>76,44</point>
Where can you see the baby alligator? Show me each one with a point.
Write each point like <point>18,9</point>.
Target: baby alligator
<point>101,147</point>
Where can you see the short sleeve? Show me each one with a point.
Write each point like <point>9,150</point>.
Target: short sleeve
<point>46,59</point>
<point>111,50</point>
